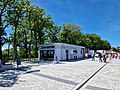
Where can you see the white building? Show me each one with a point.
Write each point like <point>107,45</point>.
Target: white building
<point>59,51</point>
<point>90,53</point>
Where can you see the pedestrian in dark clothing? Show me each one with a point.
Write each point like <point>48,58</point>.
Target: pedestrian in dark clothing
<point>93,57</point>
<point>100,57</point>
<point>104,58</point>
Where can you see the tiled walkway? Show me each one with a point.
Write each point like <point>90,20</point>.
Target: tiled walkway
<point>107,79</point>
<point>62,76</point>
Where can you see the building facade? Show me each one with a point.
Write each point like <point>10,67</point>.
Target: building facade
<point>60,51</point>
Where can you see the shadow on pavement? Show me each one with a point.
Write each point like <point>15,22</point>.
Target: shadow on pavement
<point>75,60</point>
<point>56,79</point>
<point>96,88</point>
<point>8,78</point>
<point>24,68</point>
<point>43,62</point>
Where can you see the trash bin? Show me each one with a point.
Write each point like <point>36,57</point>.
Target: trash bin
<point>18,62</point>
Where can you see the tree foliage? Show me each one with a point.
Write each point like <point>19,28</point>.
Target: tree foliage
<point>31,26</point>
<point>94,42</point>
<point>4,4</point>
<point>15,14</point>
<point>116,49</point>
<point>70,33</point>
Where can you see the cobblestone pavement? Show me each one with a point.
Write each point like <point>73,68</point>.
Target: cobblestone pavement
<point>107,79</point>
<point>61,76</point>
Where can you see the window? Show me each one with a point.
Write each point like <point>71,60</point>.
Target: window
<point>75,51</point>
<point>81,52</point>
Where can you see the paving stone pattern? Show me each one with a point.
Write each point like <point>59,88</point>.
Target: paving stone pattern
<point>61,76</point>
<point>107,79</point>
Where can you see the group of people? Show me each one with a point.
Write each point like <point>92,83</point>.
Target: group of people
<point>116,56</point>
<point>103,58</point>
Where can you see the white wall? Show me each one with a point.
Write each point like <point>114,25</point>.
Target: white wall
<point>71,55</point>
<point>58,54</point>
<point>81,55</point>
<point>60,51</point>
<point>63,54</point>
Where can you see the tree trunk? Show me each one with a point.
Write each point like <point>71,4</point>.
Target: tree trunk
<point>15,46</point>
<point>36,49</point>
<point>29,54</point>
<point>26,52</point>
<point>8,47</point>
<point>30,45</point>
<point>1,37</point>
<point>40,38</point>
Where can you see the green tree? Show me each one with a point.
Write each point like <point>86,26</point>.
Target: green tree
<point>38,26</point>
<point>70,33</point>
<point>92,41</point>
<point>34,23</point>
<point>5,53</point>
<point>15,15</point>
<point>52,34</point>
<point>29,25</point>
<point>84,40</point>
<point>3,10</point>
<point>105,45</point>
<point>116,49</point>
<point>74,36</point>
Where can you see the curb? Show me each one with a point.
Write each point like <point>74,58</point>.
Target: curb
<point>80,85</point>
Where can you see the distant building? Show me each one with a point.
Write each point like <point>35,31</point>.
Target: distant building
<point>90,53</point>
<point>60,51</point>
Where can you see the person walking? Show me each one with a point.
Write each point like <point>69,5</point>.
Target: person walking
<point>93,57</point>
<point>110,56</point>
<point>104,58</point>
<point>100,57</point>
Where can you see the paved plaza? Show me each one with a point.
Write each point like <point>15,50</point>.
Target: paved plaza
<point>62,76</point>
<point>107,79</point>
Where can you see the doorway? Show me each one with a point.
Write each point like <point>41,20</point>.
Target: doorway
<point>66,54</point>
<point>47,55</point>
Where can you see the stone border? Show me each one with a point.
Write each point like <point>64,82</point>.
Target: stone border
<point>80,85</point>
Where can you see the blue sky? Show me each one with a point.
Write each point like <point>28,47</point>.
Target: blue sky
<point>101,17</point>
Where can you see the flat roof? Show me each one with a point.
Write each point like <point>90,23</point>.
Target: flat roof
<point>60,44</point>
